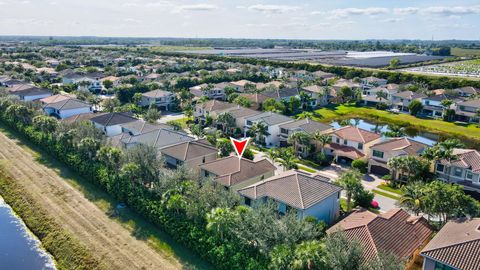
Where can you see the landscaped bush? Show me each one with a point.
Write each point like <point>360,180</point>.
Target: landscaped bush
<point>361,165</point>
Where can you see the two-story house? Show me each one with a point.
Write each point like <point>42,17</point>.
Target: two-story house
<point>190,154</point>
<point>466,111</point>
<point>215,91</point>
<point>319,95</point>
<point>272,121</point>
<point>110,123</point>
<point>240,86</point>
<point>432,105</point>
<point>350,143</point>
<point>206,109</point>
<point>27,92</point>
<point>467,91</point>
<point>455,246</point>
<point>234,173</point>
<point>382,152</point>
<point>283,94</point>
<point>302,125</point>
<point>402,100</point>
<point>307,195</point>
<point>463,170</point>
<point>164,100</point>
<point>239,113</point>
<point>372,82</point>
<point>67,108</point>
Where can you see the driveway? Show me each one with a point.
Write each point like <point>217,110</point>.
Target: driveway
<point>170,116</point>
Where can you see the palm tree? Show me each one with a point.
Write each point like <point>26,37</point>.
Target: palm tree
<point>298,138</point>
<point>446,103</point>
<point>412,197</point>
<point>220,220</point>
<point>395,164</point>
<point>381,95</point>
<point>260,131</point>
<point>351,183</point>
<point>321,138</point>
<point>305,99</point>
<point>287,159</point>
<point>305,115</point>
<point>227,121</point>
<point>273,154</point>
<point>310,255</point>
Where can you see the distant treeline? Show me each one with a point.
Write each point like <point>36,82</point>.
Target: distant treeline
<point>414,46</point>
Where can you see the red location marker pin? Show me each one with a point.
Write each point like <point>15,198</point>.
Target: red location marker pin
<point>240,145</point>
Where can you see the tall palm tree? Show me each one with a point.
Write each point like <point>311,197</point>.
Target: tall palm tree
<point>260,131</point>
<point>298,138</point>
<point>321,138</point>
<point>395,164</point>
<point>412,197</point>
<point>287,159</point>
<point>273,154</point>
<point>381,95</point>
<point>305,99</point>
<point>351,183</point>
<point>227,121</point>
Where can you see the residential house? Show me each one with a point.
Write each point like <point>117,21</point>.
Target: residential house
<point>140,126</point>
<point>466,111</point>
<point>158,138</point>
<point>432,105</point>
<point>115,80</point>
<point>464,169</point>
<point>110,123</point>
<point>88,81</point>
<point>455,246</point>
<point>6,81</point>
<point>28,92</point>
<point>283,94</point>
<point>371,82</point>
<point>164,100</point>
<point>395,232</point>
<point>67,108</point>
<point>320,75</point>
<point>55,98</point>
<point>382,152</point>
<point>216,91</point>
<point>239,113</point>
<point>272,121</point>
<point>350,143</point>
<point>190,154</point>
<point>205,109</point>
<point>302,125</point>
<point>239,86</point>
<point>307,195</point>
<point>84,117</point>
<point>467,91</point>
<point>370,96</point>
<point>402,100</point>
<point>256,99</point>
<point>319,95</point>
<point>234,173</point>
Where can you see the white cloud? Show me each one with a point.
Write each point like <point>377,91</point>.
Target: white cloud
<point>393,20</point>
<point>317,12</point>
<point>405,11</point>
<point>197,7</point>
<point>458,10</point>
<point>131,20</point>
<point>273,9</point>
<point>158,4</point>
<point>345,12</point>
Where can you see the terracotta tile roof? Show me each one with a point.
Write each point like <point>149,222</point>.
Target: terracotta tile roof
<point>157,94</point>
<point>255,97</point>
<point>189,150</point>
<point>355,134</point>
<point>345,151</point>
<point>409,146</point>
<point>230,170</point>
<point>395,232</point>
<point>457,244</point>
<point>466,158</point>
<point>215,105</point>
<point>293,188</point>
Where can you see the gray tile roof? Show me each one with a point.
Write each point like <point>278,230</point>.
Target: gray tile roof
<point>270,118</point>
<point>281,93</point>
<point>293,188</point>
<point>158,138</point>
<point>141,126</point>
<point>157,93</point>
<point>189,150</point>
<point>114,118</point>
<point>307,125</point>
<point>68,104</point>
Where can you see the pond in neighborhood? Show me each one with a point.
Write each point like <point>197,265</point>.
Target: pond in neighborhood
<point>423,137</point>
<point>19,249</point>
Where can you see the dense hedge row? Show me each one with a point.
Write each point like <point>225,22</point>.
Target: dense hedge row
<point>68,252</point>
<point>223,254</point>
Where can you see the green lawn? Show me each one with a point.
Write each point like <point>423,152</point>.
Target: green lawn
<point>301,167</point>
<point>182,122</point>
<point>390,189</point>
<point>388,195</point>
<point>469,132</point>
<point>465,52</point>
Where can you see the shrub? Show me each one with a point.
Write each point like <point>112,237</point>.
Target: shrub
<point>363,198</point>
<point>360,165</point>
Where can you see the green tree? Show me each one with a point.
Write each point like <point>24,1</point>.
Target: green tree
<point>108,84</point>
<point>152,114</point>
<point>415,107</point>
<point>309,255</point>
<point>227,121</point>
<point>412,197</point>
<point>299,138</point>
<point>321,138</point>
<point>260,131</point>
<point>351,181</point>
<point>221,220</point>
<point>242,101</point>
<point>394,62</point>
<point>342,253</point>
<point>224,147</point>
<point>286,157</point>
<point>45,124</point>
<point>110,104</point>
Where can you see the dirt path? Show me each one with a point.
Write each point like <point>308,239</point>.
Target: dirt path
<point>112,243</point>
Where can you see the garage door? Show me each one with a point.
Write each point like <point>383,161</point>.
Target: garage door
<point>379,170</point>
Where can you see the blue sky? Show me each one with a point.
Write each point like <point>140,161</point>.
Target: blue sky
<point>300,19</point>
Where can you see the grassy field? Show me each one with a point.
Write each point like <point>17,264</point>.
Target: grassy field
<point>388,195</point>
<point>468,132</point>
<point>465,52</point>
<point>181,122</point>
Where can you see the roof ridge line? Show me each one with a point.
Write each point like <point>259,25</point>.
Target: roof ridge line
<point>299,191</point>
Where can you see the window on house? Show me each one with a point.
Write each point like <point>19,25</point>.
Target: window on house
<point>469,175</point>
<point>457,172</point>
<point>284,131</point>
<point>440,168</point>
<point>345,142</point>
<point>378,154</point>
<point>249,123</point>
<point>441,266</point>
<point>360,146</point>
<point>337,140</point>
<point>203,160</point>
<point>205,173</point>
